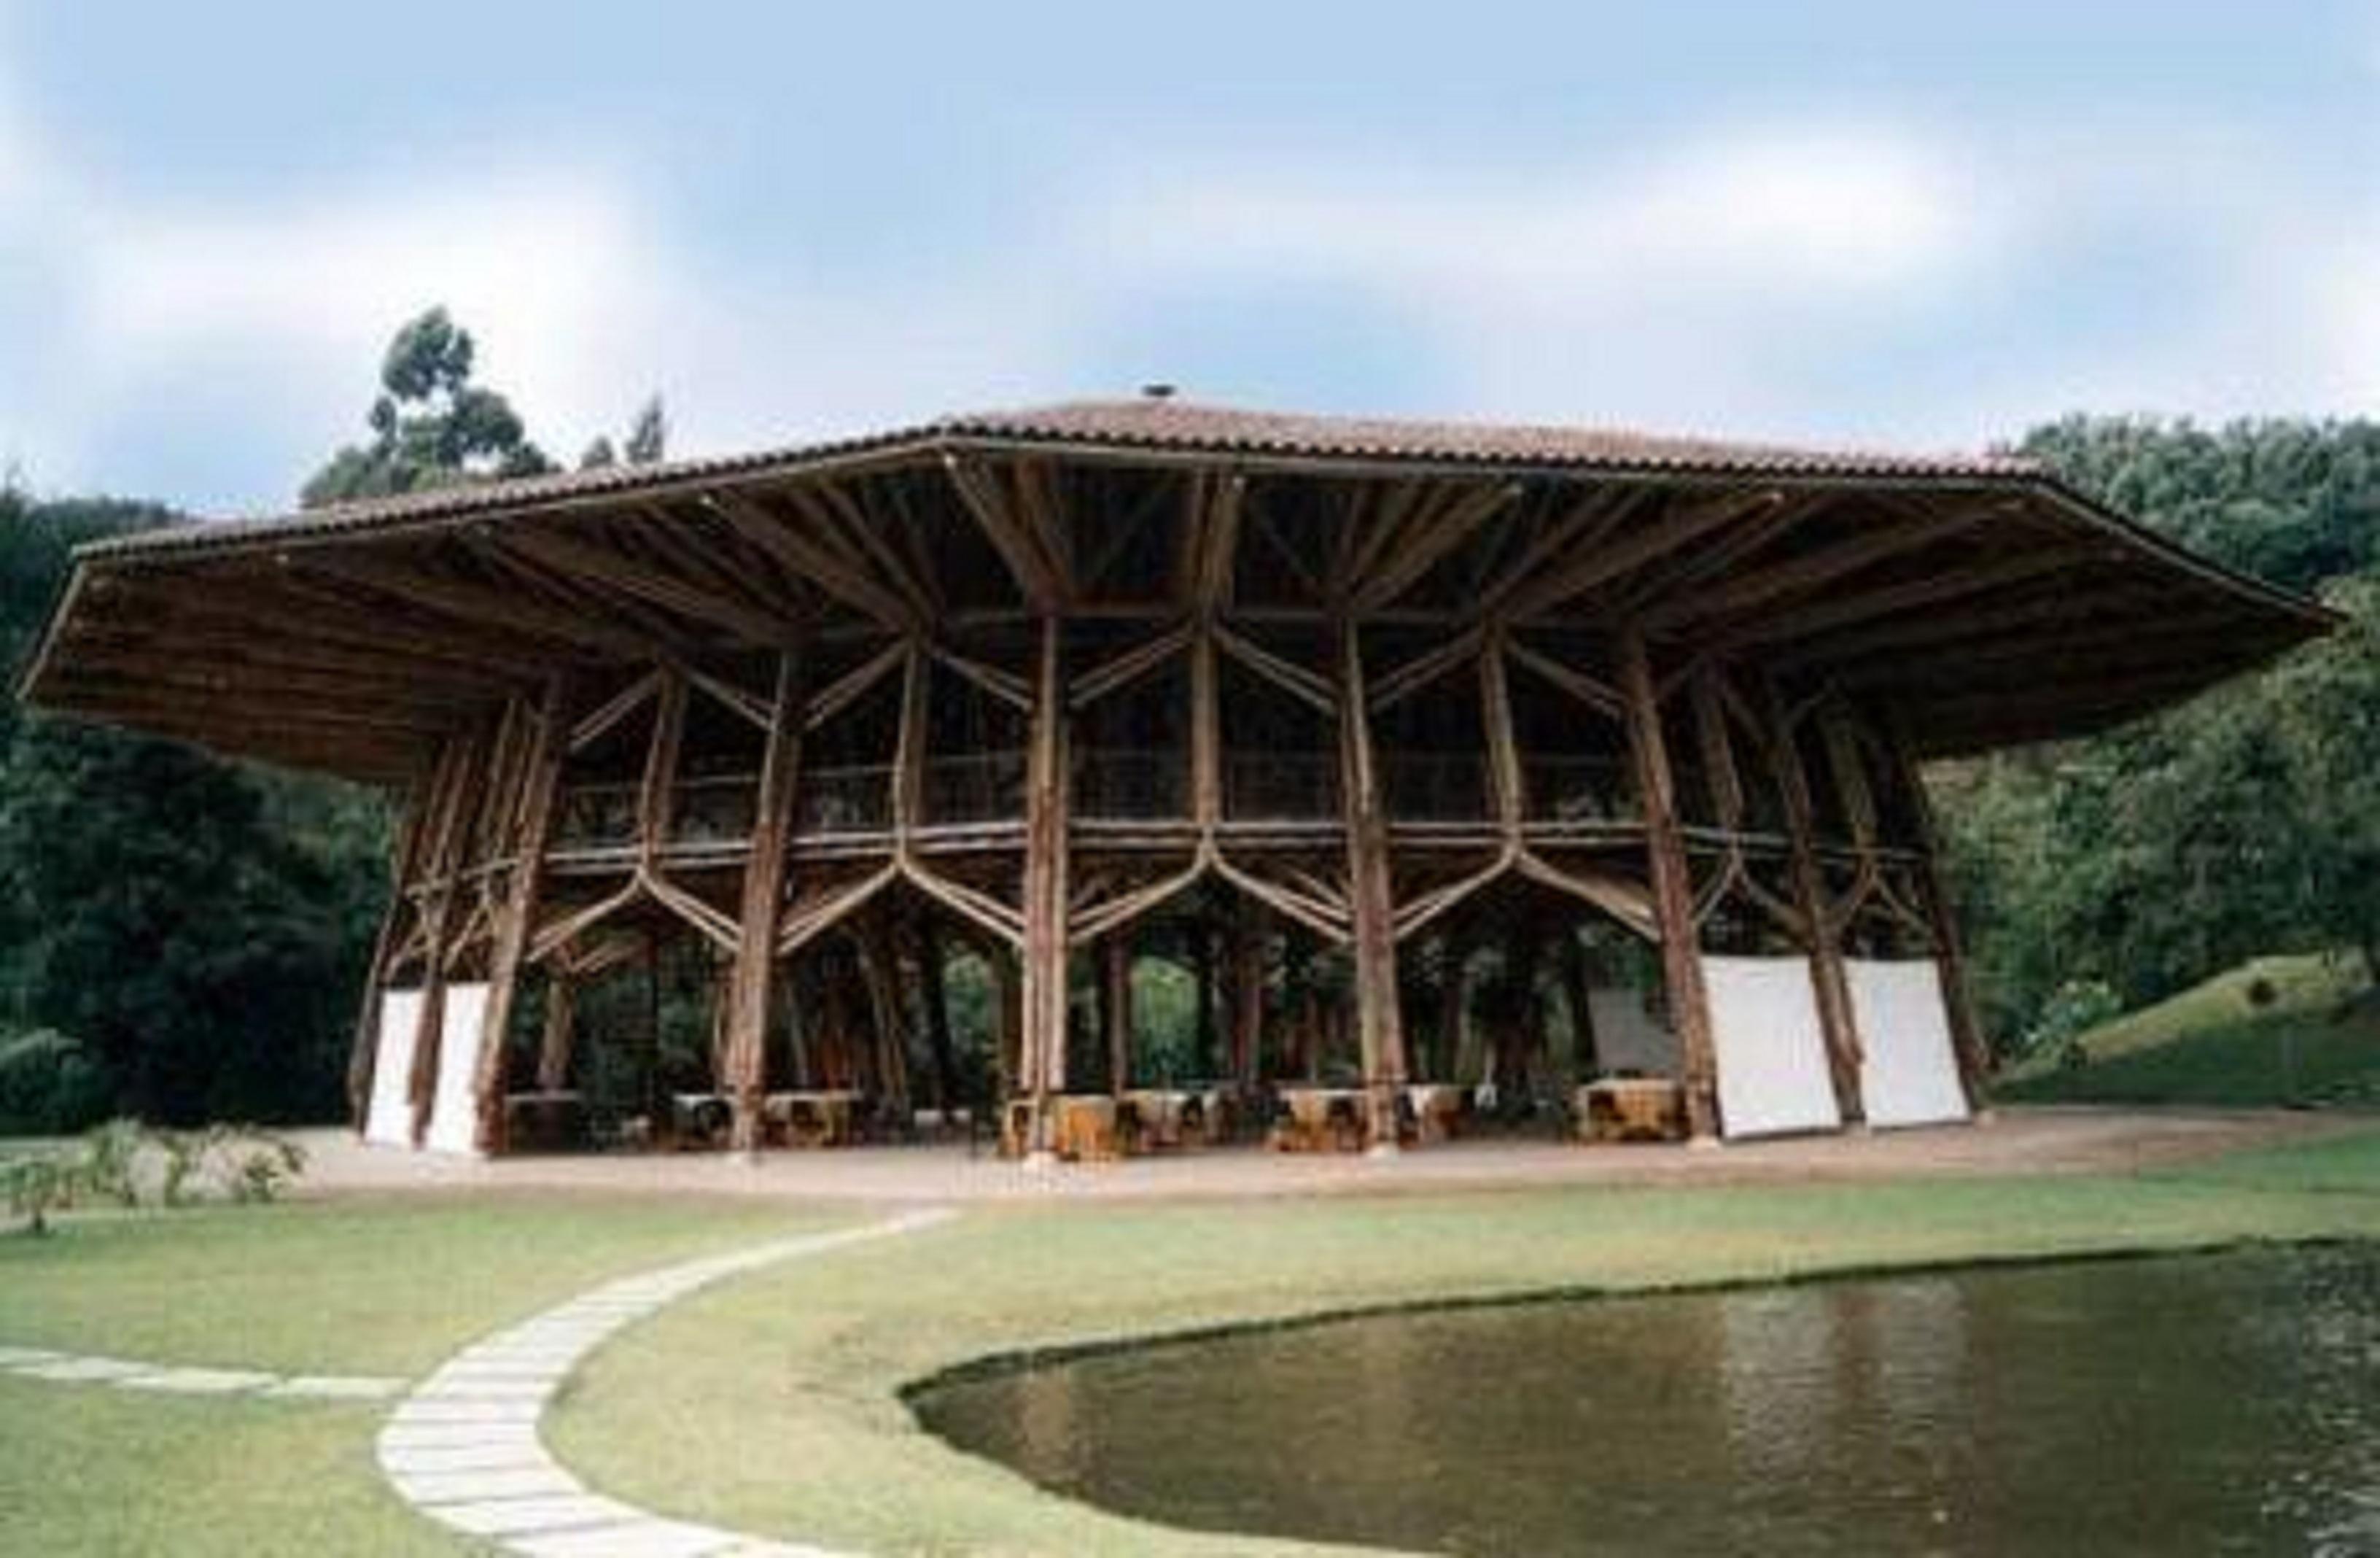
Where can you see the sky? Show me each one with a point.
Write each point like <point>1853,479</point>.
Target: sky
<point>1921,226</point>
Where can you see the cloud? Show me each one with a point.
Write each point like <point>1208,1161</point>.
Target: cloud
<point>1868,281</point>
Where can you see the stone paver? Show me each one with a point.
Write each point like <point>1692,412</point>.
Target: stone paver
<point>199,1382</point>
<point>463,1449</point>
<point>178,1378</point>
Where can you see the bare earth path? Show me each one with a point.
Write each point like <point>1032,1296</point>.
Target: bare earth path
<point>2041,1140</point>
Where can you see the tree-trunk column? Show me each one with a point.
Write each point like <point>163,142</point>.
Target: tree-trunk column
<point>753,981</point>
<point>1044,973</point>
<point>1673,893</point>
<point>1820,935</point>
<point>1379,1023</point>
<point>532,825</point>
<point>1973,1051</point>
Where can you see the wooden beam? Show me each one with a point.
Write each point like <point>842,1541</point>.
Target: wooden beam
<point>1044,888</point>
<point>590,560</point>
<point>1822,934</point>
<point>1116,1008</point>
<point>1427,540</point>
<point>1806,625</point>
<point>1023,545</point>
<point>753,982</point>
<point>1567,580</point>
<point>1968,1040</point>
<point>1673,892</point>
<point>1380,1022</point>
<point>800,552</point>
<point>541,784</point>
<point>471,603</point>
<point>1811,570</point>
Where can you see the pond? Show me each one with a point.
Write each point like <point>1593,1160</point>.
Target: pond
<point>2221,1403</point>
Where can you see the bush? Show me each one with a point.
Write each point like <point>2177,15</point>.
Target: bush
<point>130,1165</point>
<point>49,1084</point>
<point>2073,1009</point>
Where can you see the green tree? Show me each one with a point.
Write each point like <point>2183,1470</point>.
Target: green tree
<point>431,426</point>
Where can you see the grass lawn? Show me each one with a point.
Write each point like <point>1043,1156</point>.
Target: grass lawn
<point>771,1405</point>
<point>103,1471</point>
<point>380,1286</point>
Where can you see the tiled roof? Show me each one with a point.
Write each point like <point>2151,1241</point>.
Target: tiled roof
<point>1148,422</point>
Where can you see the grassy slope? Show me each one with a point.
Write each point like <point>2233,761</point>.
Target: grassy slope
<point>770,1405</point>
<point>2208,1045</point>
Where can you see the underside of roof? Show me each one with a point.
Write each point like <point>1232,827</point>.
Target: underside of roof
<point>1979,601</point>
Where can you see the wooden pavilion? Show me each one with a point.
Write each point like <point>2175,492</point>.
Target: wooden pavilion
<point>1320,706</point>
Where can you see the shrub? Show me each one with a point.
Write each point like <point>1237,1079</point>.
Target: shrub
<point>49,1084</point>
<point>2073,1009</point>
<point>122,1159</point>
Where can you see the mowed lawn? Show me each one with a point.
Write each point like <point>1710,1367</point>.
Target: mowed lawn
<point>773,1402</point>
<point>772,1406</point>
<point>388,1286</point>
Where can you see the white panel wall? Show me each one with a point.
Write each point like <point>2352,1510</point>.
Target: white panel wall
<point>452,1115</point>
<point>1909,1074</point>
<point>1770,1049</point>
<point>1626,1037</point>
<point>388,1120</point>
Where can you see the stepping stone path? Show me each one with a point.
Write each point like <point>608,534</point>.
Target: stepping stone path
<point>463,1447</point>
<point>71,1368</point>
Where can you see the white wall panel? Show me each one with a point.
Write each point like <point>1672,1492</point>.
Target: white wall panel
<point>388,1121</point>
<point>1909,1074</point>
<point>1770,1049</point>
<point>453,1118</point>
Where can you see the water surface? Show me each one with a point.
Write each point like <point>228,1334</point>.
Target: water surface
<point>2183,1405</point>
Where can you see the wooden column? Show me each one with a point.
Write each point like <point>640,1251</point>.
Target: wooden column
<point>752,982</point>
<point>1044,974</point>
<point>1247,995</point>
<point>532,828</point>
<point>1379,1023</point>
<point>561,1026</point>
<point>1115,1008</point>
<point>441,858</point>
<point>1202,975</point>
<point>1673,891</point>
<point>930,995</point>
<point>1950,952</point>
<point>1577,990</point>
<point>363,1058</point>
<point>1821,937</point>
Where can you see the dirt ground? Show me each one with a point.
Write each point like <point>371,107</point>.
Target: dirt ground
<point>2018,1141</point>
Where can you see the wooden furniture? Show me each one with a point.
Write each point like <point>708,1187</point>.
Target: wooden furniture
<point>1086,1129</point>
<point>1631,1109</point>
<point>1437,1110</point>
<point>699,1119</point>
<point>1319,1119</point>
<point>817,1117</point>
<point>550,1121</point>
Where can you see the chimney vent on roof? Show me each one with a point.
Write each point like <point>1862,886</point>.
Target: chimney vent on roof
<point>1159,391</point>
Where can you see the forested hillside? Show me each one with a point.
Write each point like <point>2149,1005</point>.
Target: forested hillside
<point>2124,868</point>
<point>182,937</point>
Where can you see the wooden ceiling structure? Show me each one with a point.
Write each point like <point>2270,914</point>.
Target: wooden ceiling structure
<point>1048,670</point>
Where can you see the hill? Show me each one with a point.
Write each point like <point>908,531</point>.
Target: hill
<point>2312,1037</point>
